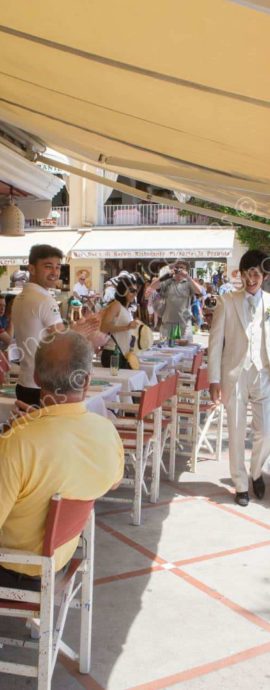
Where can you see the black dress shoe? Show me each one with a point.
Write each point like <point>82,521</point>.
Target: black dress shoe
<point>242,498</point>
<point>258,487</point>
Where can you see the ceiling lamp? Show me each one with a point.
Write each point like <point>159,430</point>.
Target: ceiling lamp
<point>11,220</point>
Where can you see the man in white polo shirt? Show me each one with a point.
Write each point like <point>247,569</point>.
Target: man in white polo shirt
<point>36,315</point>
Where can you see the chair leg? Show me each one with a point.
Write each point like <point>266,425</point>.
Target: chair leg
<point>61,619</point>
<point>195,444</point>
<point>87,598</point>
<point>202,438</point>
<point>46,626</point>
<point>164,440</point>
<point>173,439</point>
<point>219,432</point>
<point>155,480</point>
<point>137,503</point>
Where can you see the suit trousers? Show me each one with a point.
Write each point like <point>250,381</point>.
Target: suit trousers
<point>252,387</point>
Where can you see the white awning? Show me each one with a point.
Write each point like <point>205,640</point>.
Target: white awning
<point>178,97</point>
<point>162,243</point>
<point>15,250</point>
<point>21,173</point>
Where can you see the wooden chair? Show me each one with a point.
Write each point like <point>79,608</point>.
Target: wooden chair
<point>4,367</point>
<point>141,437</point>
<point>184,369</point>
<point>66,519</point>
<point>191,369</point>
<point>168,402</point>
<point>196,413</point>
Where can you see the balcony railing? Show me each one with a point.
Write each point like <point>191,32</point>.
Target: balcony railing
<point>149,214</point>
<point>124,214</point>
<point>59,217</point>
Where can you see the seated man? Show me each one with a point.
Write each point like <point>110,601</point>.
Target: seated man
<point>58,448</point>
<point>80,289</point>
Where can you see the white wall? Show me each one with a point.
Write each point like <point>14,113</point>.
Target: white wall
<point>233,261</point>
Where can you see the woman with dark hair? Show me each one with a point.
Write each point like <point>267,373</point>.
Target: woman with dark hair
<point>117,320</point>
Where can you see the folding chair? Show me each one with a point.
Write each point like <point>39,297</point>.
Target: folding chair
<point>4,367</point>
<point>186,368</point>
<point>141,437</point>
<point>66,519</point>
<point>196,411</point>
<point>168,402</point>
<point>191,368</point>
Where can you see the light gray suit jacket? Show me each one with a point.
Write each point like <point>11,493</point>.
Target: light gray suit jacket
<point>229,340</point>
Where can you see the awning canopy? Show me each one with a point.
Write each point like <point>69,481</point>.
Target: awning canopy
<point>15,250</point>
<point>178,97</point>
<point>18,172</point>
<point>158,243</point>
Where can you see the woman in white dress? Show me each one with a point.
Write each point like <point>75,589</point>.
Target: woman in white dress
<point>116,320</point>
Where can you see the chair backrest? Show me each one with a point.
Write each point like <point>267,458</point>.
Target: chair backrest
<point>4,367</point>
<point>168,388</point>
<point>202,382</point>
<point>149,400</point>
<point>66,519</point>
<point>196,362</point>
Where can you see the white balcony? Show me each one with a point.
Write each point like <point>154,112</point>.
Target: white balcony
<point>59,217</point>
<point>149,214</point>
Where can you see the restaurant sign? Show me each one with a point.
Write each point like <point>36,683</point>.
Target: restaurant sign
<point>150,253</point>
<point>8,261</point>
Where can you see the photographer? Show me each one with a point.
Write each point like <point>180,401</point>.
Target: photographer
<point>177,288</point>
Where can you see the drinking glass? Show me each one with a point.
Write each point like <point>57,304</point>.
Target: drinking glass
<point>114,365</point>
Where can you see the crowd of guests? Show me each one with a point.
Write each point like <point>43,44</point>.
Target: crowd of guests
<point>162,302</point>
<point>62,448</point>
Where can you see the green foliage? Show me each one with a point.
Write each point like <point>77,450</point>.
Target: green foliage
<point>254,239</point>
<point>201,272</point>
<point>2,270</point>
<point>251,237</point>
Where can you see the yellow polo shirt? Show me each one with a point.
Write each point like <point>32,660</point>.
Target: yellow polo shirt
<point>59,449</point>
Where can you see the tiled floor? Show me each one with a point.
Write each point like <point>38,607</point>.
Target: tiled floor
<point>183,600</point>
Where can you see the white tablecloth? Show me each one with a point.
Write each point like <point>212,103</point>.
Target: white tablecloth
<point>188,351</point>
<point>170,357</point>
<point>95,401</point>
<point>130,379</point>
<point>6,405</point>
<point>151,369</point>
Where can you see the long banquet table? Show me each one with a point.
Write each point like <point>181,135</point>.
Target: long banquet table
<point>130,379</point>
<point>95,400</point>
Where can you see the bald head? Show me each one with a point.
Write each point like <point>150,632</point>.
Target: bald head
<point>63,365</point>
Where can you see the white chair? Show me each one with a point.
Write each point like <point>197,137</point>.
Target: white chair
<point>4,367</point>
<point>66,519</point>
<point>141,437</point>
<point>197,415</point>
<point>168,402</point>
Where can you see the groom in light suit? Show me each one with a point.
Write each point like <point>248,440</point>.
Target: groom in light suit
<point>239,370</point>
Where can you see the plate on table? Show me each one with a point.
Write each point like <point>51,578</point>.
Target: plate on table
<point>99,384</point>
<point>8,391</point>
<point>150,360</point>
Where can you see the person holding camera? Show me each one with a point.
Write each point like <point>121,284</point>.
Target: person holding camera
<point>177,288</point>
